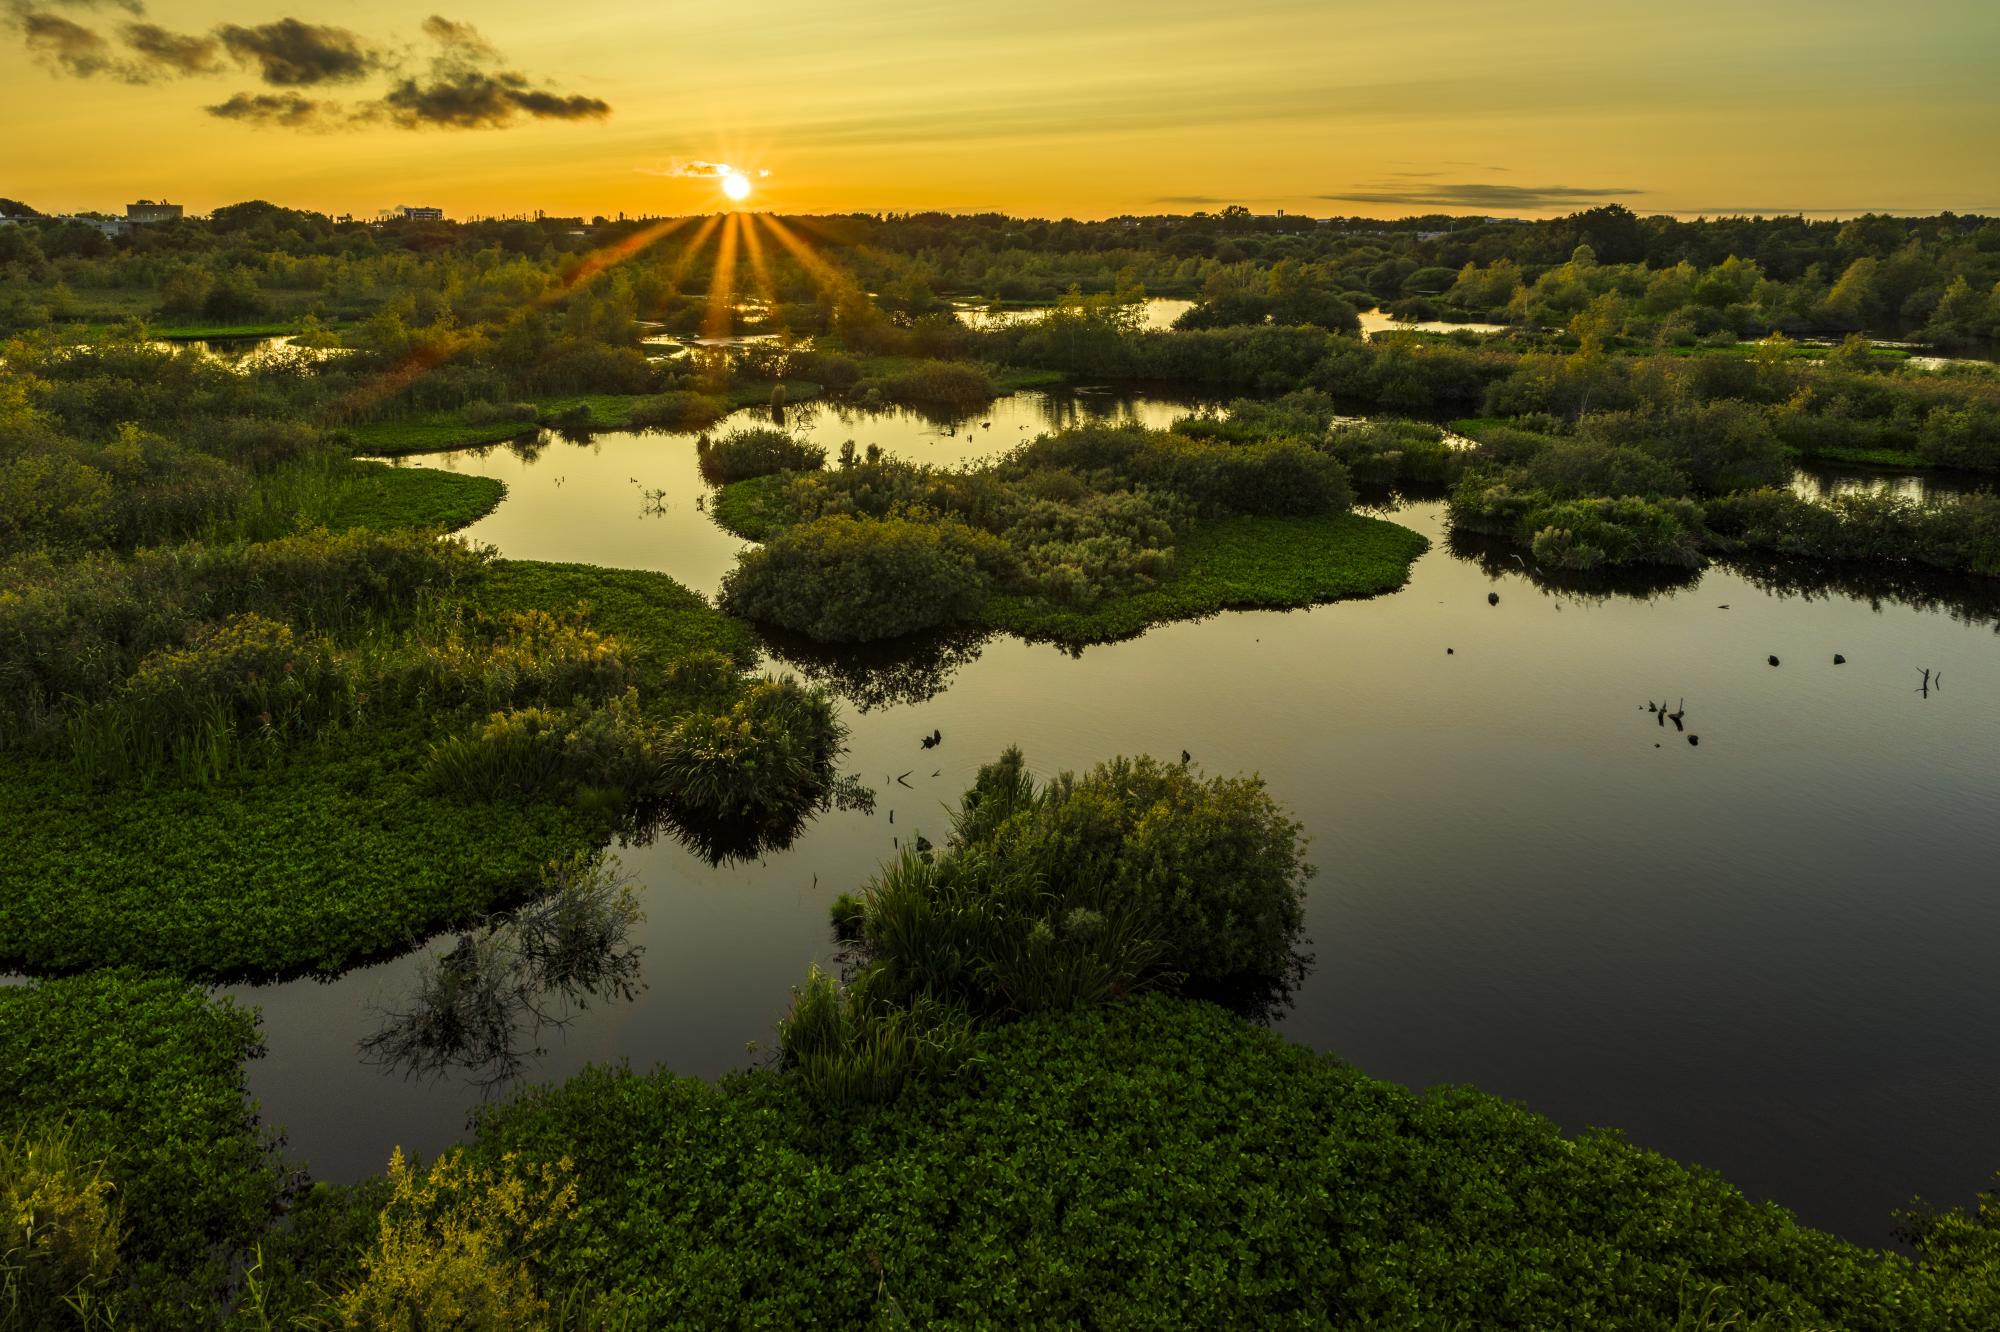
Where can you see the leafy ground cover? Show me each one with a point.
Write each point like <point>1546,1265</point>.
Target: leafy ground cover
<point>1161,1163</point>
<point>145,1076</point>
<point>384,497</point>
<point>338,853</point>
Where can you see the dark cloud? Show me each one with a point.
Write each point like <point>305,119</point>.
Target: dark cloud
<point>172,52</point>
<point>462,98</point>
<point>64,45</point>
<point>294,54</point>
<point>462,37</point>
<point>1485,196</point>
<point>279,111</point>
<point>461,91</point>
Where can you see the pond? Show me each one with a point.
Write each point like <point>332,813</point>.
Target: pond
<point>1769,954</point>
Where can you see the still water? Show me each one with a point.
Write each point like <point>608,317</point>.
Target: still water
<point>1768,954</point>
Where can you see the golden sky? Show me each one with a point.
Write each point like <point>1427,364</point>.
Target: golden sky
<point>1084,108</point>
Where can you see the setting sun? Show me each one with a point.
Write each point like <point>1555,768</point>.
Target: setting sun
<point>736,185</point>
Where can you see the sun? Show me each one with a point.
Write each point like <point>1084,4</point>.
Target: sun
<point>736,185</point>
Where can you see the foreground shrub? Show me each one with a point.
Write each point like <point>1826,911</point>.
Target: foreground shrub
<point>846,580</point>
<point>742,454</point>
<point>949,386</point>
<point>247,682</point>
<point>60,1226</point>
<point>1388,453</point>
<point>456,1246</point>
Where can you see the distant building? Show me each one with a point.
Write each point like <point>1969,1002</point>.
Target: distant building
<point>146,210</point>
<point>408,214</point>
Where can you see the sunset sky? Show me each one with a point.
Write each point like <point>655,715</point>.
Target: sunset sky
<point>1029,107</point>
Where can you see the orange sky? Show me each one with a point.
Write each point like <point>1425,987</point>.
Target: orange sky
<point>1031,107</point>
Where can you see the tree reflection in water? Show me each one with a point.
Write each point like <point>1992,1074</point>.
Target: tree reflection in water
<point>482,1007</point>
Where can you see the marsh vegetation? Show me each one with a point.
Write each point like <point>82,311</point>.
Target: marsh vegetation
<point>273,720</point>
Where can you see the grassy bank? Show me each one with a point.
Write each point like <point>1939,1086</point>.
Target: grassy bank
<point>1232,564</point>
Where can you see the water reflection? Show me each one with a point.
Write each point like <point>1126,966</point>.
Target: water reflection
<point>482,1007</point>
<point>869,677</point>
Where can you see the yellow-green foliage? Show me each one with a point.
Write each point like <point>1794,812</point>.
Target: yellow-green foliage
<point>455,1246</point>
<point>60,1224</point>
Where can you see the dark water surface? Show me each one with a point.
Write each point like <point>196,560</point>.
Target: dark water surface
<point>1769,954</point>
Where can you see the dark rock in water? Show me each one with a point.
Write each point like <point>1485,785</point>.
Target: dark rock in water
<point>1492,598</point>
<point>1839,660</point>
<point>1694,739</point>
<point>1774,661</point>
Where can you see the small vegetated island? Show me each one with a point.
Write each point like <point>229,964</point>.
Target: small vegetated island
<point>261,716</point>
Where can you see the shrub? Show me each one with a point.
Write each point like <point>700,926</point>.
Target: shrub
<point>950,386</point>
<point>60,1227</point>
<point>743,454</point>
<point>538,751</point>
<point>456,1246</point>
<point>1135,875</point>
<point>500,413</point>
<point>846,1050</point>
<point>678,410</point>
<point>248,679</point>
<point>769,758</point>
<point>1384,453</point>
<point>847,580</point>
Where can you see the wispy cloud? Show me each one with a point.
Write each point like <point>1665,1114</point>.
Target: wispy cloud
<point>280,110</point>
<point>1484,195</point>
<point>682,169</point>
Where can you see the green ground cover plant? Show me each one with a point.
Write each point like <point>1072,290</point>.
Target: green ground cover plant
<point>1160,1163</point>
<point>140,1080</point>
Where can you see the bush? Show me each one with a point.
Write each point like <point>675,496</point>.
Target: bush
<point>1137,875</point>
<point>743,454</point>
<point>248,680</point>
<point>768,759</point>
<point>846,1050</point>
<point>456,1245</point>
<point>678,410</point>
<point>500,413</point>
<point>847,580</point>
<point>1385,453</point>
<point>60,1227</point>
<point>949,386</point>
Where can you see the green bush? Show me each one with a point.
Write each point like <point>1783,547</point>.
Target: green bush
<point>246,685</point>
<point>677,410</point>
<point>847,580</point>
<point>948,386</point>
<point>743,454</point>
<point>1073,893</point>
<point>768,758</point>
